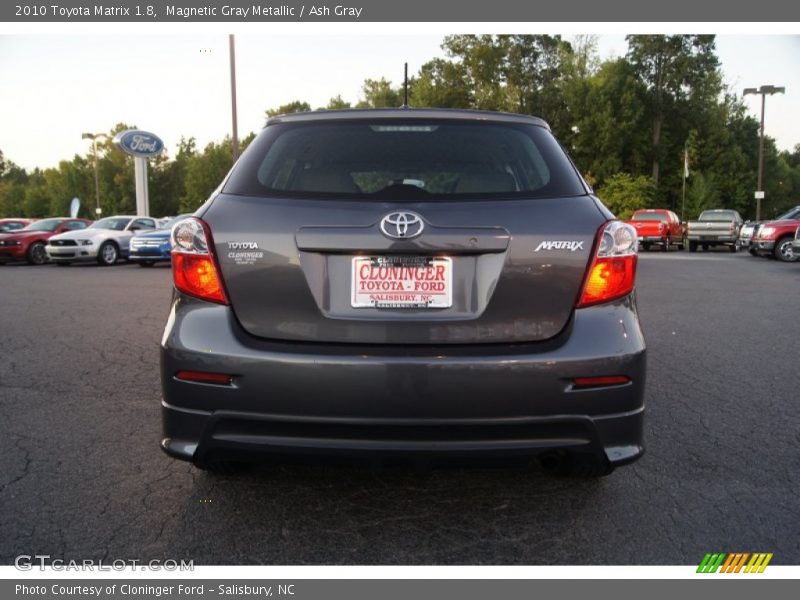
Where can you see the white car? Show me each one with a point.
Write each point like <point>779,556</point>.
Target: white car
<point>105,240</point>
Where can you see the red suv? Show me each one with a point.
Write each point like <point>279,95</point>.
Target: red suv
<point>28,243</point>
<point>657,226</point>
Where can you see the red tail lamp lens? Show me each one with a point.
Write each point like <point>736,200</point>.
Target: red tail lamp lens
<point>194,269</point>
<point>196,275</point>
<point>203,377</point>
<point>609,279</point>
<point>612,273</point>
<point>603,381</point>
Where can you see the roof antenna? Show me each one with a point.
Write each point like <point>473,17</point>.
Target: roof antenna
<point>405,88</point>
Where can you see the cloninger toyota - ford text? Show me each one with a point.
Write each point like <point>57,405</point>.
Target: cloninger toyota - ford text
<point>408,282</point>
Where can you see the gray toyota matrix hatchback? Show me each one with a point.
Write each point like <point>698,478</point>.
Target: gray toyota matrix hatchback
<point>404,282</point>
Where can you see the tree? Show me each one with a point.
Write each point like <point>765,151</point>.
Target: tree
<point>292,107</point>
<point>701,194</point>
<point>441,84</point>
<point>624,193</point>
<point>379,93</point>
<point>204,172</point>
<point>675,69</point>
<point>609,115</point>
<point>337,103</point>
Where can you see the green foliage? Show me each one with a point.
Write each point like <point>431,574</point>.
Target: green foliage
<point>623,193</point>
<point>204,173</point>
<point>379,93</point>
<point>292,107</point>
<point>701,194</point>
<point>337,103</point>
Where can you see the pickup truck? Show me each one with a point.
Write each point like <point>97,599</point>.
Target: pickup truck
<point>657,226</point>
<point>774,238</point>
<point>716,227</point>
<point>745,240</point>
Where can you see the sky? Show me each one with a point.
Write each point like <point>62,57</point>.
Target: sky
<point>55,87</point>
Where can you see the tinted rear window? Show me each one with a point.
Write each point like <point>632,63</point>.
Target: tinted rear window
<point>394,159</point>
<point>649,217</point>
<point>721,215</point>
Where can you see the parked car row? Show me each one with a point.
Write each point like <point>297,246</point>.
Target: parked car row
<point>64,241</point>
<point>662,228</point>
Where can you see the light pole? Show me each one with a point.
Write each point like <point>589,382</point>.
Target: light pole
<point>94,137</point>
<point>234,127</point>
<point>763,91</point>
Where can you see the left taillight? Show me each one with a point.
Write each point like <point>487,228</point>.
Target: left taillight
<point>612,273</point>
<point>194,266</point>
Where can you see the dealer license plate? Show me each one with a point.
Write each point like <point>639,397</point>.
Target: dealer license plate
<point>402,282</point>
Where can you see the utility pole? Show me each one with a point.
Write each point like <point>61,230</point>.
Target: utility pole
<point>235,132</point>
<point>94,137</point>
<point>763,91</point>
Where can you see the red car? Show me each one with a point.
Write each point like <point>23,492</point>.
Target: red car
<point>28,243</point>
<point>657,227</point>
<point>775,238</point>
<point>13,224</point>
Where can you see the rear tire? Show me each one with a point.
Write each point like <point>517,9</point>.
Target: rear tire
<point>667,242</point>
<point>783,250</point>
<point>692,246</point>
<point>733,248</point>
<point>37,255</point>
<point>705,247</point>
<point>752,252</point>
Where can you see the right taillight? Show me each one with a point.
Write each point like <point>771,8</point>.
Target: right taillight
<point>194,267</point>
<point>612,272</point>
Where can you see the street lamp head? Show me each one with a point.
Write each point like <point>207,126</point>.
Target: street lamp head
<point>748,91</point>
<point>87,136</point>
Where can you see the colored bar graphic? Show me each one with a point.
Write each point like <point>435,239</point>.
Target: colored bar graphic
<point>711,563</point>
<point>734,562</point>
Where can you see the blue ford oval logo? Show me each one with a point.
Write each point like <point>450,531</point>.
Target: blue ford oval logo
<point>139,143</point>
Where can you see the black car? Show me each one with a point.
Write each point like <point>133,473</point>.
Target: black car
<point>404,282</point>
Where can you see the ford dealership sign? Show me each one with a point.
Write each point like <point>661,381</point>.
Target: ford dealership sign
<point>139,143</point>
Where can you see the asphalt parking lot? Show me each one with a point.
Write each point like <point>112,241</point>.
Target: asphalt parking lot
<point>82,476</point>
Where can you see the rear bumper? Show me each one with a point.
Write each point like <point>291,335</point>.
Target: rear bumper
<point>457,400</point>
<point>712,239</point>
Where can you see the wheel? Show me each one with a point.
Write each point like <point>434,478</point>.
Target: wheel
<point>705,247</point>
<point>146,263</point>
<point>692,246</point>
<point>682,245</point>
<point>783,250</point>
<point>37,255</point>
<point>667,242</point>
<point>646,247</point>
<point>753,252</point>
<point>733,248</point>
<point>108,254</point>
<point>64,263</point>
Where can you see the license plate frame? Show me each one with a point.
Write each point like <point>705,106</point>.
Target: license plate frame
<point>426,281</point>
